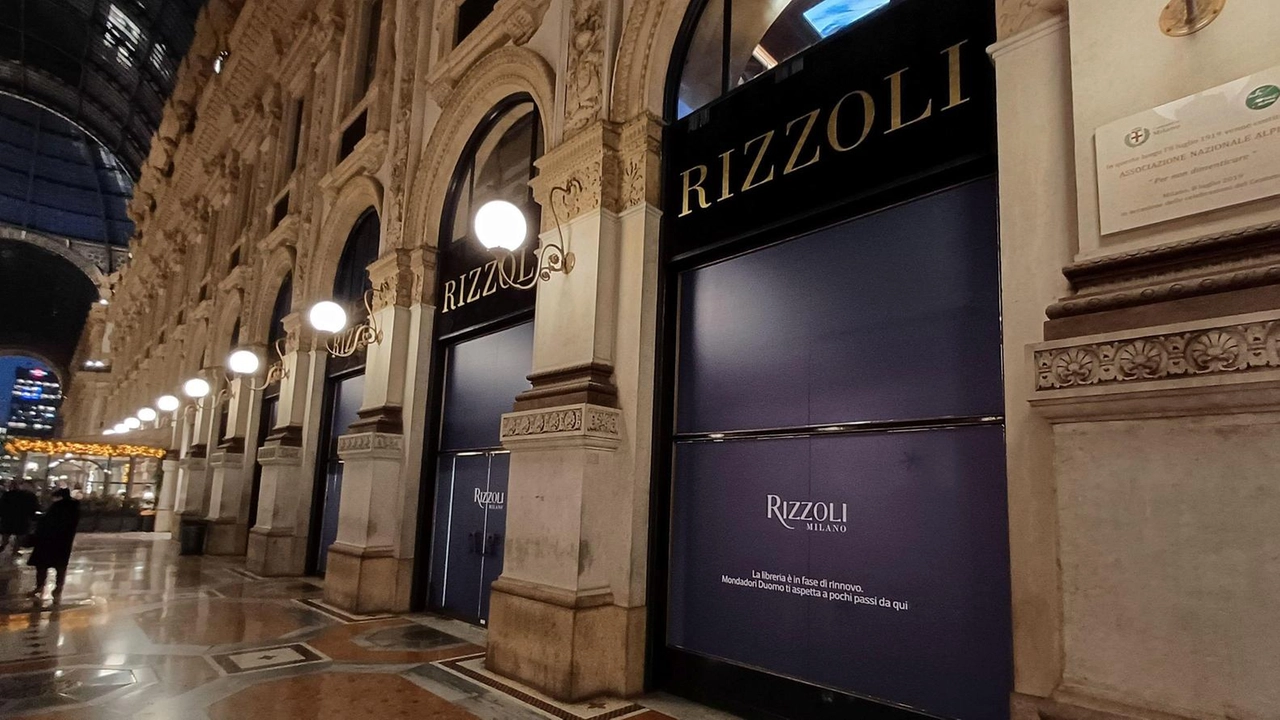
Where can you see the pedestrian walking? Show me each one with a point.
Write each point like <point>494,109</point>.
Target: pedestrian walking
<point>55,533</point>
<point>17,509</point>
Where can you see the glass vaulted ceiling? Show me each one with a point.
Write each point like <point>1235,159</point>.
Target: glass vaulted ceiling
<point>108,66</point>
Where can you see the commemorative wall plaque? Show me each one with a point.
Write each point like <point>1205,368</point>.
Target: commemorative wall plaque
<point>1211,150</point>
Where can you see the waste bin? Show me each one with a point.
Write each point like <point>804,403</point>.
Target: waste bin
<point>191,536</point>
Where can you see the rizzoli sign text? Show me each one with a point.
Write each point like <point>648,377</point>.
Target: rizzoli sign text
<point>854,120</point>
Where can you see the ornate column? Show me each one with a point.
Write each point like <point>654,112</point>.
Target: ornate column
<point>231,472</point>
<point>369,567</point>
<point>278,540</point>
<point>169,475</point>
<point>567,616</point>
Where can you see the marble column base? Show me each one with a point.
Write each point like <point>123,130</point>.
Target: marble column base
<point>571,646</point>
<point>166,521</point>
<point>275,553</point>
<point>226,537</point>
<point>367,580</point>
<point>1068,705</point>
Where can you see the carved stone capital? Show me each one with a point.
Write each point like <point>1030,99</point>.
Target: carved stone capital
<point>590,166</point>
<point>393,275</point>
<point>1014,16</point>
<point>274,454</point>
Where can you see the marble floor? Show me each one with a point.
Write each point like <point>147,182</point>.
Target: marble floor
<point>143,633</point>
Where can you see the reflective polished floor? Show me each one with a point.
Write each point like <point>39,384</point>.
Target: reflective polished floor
<point>143,633</point>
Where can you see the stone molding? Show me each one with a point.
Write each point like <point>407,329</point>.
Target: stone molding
<point>365,159</point>
<point>226,460</point>
<point>370,445</point>
<point>583,425</point>
<point>1222,349</point>
<point>192,464</point>
<point>590,383</point>
<point>572,599</point>
<point>272,454</point>
<point>1245,258</point>
<point>513,21</point>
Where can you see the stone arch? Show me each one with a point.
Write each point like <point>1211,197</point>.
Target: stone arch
<point>64,377</point>
<point>501,74</point>
<point>644,56</point>
<point>193,349</point>
<point>63,250</point>
<point>356,196</point>
<point>257,319</point>
<point>221,342</point>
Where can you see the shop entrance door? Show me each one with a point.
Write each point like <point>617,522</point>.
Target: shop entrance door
<point>482,377</point>
<point>475,518</point>
<point>347,394</point>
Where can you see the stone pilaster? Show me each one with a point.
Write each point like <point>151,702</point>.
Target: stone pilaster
<point>231,473</point>
<point>278,541</point>
<point>567,616</point>
<point>370,567</point>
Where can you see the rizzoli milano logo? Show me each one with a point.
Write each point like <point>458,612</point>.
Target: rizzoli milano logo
<point>824,517</point>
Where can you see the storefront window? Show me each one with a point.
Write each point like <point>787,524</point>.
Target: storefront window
<point>500,168</point>
<point>736,41</point>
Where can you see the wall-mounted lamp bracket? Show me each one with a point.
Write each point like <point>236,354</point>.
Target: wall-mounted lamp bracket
<point>1184,17</point>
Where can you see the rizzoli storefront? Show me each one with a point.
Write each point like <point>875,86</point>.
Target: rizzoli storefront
<point>829,530</point>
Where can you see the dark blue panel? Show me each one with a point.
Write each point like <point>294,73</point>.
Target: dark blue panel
<point>346,405</point>
<point>894,316</point>
<point>347,397</point>
<point>912,524</point>
<point>482,379</point>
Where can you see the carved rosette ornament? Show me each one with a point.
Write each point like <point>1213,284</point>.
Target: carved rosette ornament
<point>1214,351</point>
<point>584,88</point>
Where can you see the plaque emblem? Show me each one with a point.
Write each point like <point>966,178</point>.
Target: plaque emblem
<point>1137,137</point>
<point>1262,97</point>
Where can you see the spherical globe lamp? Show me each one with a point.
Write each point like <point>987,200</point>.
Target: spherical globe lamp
<point>195,388</point>
<point>500,224</point>
<point>147,414</point>
<point>168,403</point>
<point>243,362</point>
<point>109,431</point>
<point>327,316</point>
<point>121,428</point>
<point>132,423</point>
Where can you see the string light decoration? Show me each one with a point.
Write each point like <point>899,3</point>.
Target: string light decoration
<point>62,447</point>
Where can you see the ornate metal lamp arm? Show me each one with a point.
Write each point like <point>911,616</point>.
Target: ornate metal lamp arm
<point>358,337</point>
<point>276,371</point>
<point>552,257</point>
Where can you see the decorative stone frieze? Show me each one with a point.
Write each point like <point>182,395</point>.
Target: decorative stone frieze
<point>641,149</point>
<point>273,454</point>
<point>1219,350</point>
<point>585,425</point>
<point>354,446</point>
<point>226,459</point>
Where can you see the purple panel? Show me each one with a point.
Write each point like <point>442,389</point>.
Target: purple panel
<point>482,380</point>
<point>912,519</point>
<point>894,316</point>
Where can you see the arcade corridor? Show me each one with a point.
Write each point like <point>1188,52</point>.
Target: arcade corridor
<point>142,633</point>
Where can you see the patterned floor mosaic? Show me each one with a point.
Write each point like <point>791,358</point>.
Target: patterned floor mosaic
<point>145,634</point>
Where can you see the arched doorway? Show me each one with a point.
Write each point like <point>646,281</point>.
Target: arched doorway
<point>484,351</point>
<point>829,516</point>
<point>267,413</point>
<point>343,387</point>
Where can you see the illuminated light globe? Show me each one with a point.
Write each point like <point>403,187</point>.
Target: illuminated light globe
<point>109,431</point>
<point>243,362</point>
<point>132,423</point>
<point>147,414</point>
<point>499,224</point>
<point>195,388</point>
<point>168,403</point>
<point>121,428</point>
<point>327,316</point>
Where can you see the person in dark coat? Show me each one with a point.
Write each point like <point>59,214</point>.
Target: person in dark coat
<point>17,509</point>
<point>55,533</point>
